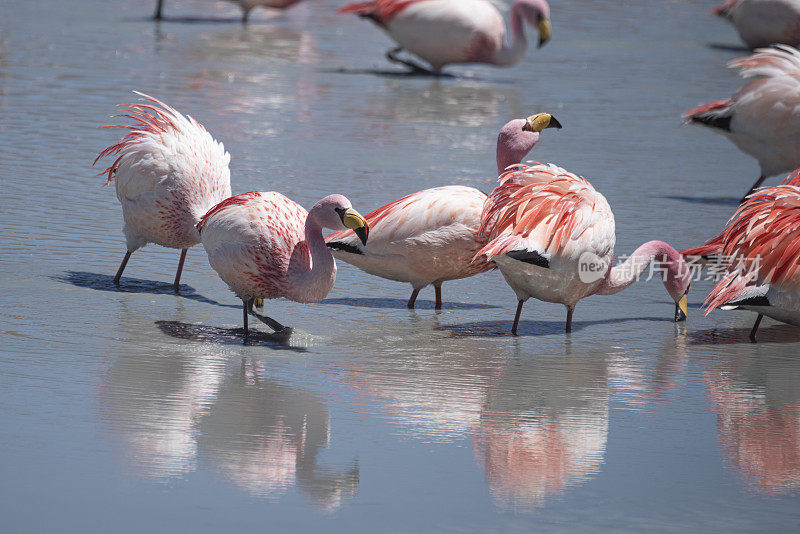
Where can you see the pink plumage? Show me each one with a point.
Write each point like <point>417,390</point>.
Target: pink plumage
<point>763,22</point>
<point>168,171</point>
<point>442,32</point>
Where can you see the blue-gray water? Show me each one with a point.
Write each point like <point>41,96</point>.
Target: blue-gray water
<point>132,409</point>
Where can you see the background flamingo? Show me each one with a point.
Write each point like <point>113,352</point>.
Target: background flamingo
<point>264,245</point>
<point>246,5</point>
<point>763,241</point>
<point>763,117</point>
<point>169,171</point>
<point>763,22</point>
<point>431,236</point>
<point>552,236</point>
<point>455,31</point>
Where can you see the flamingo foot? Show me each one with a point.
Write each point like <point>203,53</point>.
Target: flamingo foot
<point>269,321</point>
<point>392,56</point>
<point>122,267</point>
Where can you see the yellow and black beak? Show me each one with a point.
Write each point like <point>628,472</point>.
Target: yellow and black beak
<point>680,309</point>
<point>358,224</point>
<point>540,121</point>
<point>545,30</point>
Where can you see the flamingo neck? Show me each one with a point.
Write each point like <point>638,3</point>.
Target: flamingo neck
<point>510,54</point>
<point>623,275</point>
<point>312,269</point>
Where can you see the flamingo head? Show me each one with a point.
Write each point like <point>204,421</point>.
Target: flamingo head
<point>519,136</point>
<point>537,14</point>
<point>336,212</point>
<point>677,281</point>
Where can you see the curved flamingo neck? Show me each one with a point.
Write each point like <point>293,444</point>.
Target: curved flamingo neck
<point>623,275</point>
<point>512,53</point>
<point>312,270</point>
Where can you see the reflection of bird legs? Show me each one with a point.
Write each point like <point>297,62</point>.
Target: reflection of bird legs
<point>391,55</point>
<point>755,328</point>
<point>755,186</point>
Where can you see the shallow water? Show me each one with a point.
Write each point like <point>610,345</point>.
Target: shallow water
<point>132,408</point>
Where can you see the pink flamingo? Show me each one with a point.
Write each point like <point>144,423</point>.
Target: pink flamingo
<point>763,241</point>
<point>264,245</point>
<point>169,171</point>
<point>763,22</point>
<point>246,5</point>
<point>763,117</point>
<point>552,236</point>
<point>455,31</point>
<point>431,236</point>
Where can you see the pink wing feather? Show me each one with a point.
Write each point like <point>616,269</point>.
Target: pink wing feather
<point>383,11</point>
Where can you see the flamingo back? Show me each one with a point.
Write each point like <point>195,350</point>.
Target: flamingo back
<point>168,172</point>
<point>250,240</point>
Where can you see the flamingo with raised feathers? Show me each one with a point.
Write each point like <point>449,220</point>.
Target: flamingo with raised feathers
<point>552,236</point>
<point>455,31</point>
<point>431,236</point>
<point>246,5</point>
<point>264,245</point>
<point>763,22</point>
<point>762,242</point>
<point>763,117</point>
<point>168,173</point>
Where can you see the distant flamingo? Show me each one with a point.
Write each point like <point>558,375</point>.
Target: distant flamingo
<point>264,245</point>
<point>455,31</point>
<point>763,117</point>
<point>246,5</point>
<point>762,240</point>
<point>763,22</point>
<point>552,236</point>
<point>430,236</point>
<point>169,171</point>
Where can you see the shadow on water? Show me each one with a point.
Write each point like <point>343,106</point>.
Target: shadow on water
<point>532,328</point>
<point>387,73</point>
<point>728,47</point>
<point>779,333</point>
<point>398,304</point>
<point>286,339</point>
<point>104,282</point>
<point>195,20</point>
<point>720,201</point>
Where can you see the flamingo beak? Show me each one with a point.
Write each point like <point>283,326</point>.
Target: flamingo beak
<point>680,309</point>
<point>358,224</point>
<point>545,30</point>
<point>540,121</point>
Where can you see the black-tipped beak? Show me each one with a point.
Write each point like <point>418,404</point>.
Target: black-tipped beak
<point>362,233</point>
<point>680,310</point>
<point>545,31</point>
<point>554,123</point>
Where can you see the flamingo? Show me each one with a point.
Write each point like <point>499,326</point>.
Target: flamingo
<point>763,241</point>
<point>763,22</point>
<point>552,236</point>
<point>264,245</point>
<point>431,236</point>
<point>455,31</point>
<point>763,117</point>
<point>246,5</point>
<point>169,171</point>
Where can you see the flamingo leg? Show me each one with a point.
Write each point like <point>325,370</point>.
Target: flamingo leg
<point>245,306</point>
<point>122,267</point>
<point>438,290</point>
<point>392,56</point>
<point>755,186</point>
<point>755,328</point>
<point>516,317</point>
<point>245,16</point>
<point>269,321</point>
<point>157,15</point>
<point>177,283</point>
<point>569,319</point>
<point>413,299</point>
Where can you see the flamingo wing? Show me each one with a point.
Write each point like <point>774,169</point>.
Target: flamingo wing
<point>381,11</point>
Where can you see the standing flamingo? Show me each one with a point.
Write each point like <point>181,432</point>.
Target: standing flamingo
<point>455,31</point>
<point>762,240</point>
<point>246,5</point>
<point>552,236</point>
<point>264,245</point>
<point>431,236</point>
<point>763,22</point>
<point>169,171</point>
<point>763,117</point>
